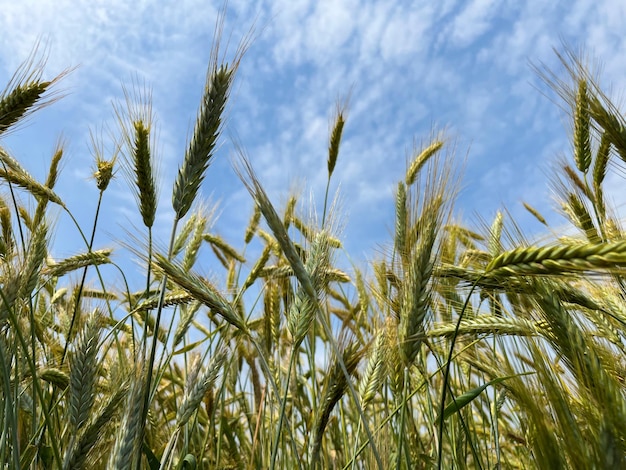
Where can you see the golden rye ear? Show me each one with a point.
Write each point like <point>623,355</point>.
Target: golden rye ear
<point>27,92</point>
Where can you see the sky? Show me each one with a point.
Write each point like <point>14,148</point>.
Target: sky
<point>410,69</point>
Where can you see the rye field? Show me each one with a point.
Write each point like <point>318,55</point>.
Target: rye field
<point>455,347</point>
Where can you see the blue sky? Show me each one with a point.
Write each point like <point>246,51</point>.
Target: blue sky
<point>409,66</point>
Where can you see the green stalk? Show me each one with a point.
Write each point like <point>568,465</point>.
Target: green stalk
<point>402,422</point>
<point>496,430</point>
<point>283,405</point>
<point>32,366</point>
<point>398,408</point>
<point>274,386</point>
<point>353,393</point>
<point>325,201</point>
<point>144,338</point>
<point>150,364</point>
<point>11,422</point>
<point>446,376</point>
<point>82,281</point>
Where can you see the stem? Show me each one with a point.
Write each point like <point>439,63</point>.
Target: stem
<point>157,321</point>
<point>353,394</point>
<point>267,369</point>
<point>32,366</point>
<point>325,201</point>
<point>402,420</point>
<point>82,281</point>
<point>19,222</point>
<point>168,449</point>
<point>144,338</point>
<point>146,393</point>
<point>496,430</point>
<point>9,419</point>
<point>446,376</point>
<point>283,406</point>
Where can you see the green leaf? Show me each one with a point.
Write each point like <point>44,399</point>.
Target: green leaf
<point>153,461</point>
<point>465,399</point>
<point>187,348</point>
<point>188,463</point>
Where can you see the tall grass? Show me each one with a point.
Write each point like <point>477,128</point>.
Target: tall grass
<point>465,348</point>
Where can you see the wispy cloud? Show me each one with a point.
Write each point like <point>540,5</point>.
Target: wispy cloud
<point>473,21</point>
<point>408,67</point>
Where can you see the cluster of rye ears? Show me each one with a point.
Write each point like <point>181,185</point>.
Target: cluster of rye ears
<point>459,348</point>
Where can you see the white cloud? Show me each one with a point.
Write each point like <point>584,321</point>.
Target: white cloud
<point>408,66</point>
<point>473,21</point>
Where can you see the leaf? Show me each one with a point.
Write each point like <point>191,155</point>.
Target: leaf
<point>189,462</point>
<point>188,347</point>
<point>153,461</point>
<point>465,399</point>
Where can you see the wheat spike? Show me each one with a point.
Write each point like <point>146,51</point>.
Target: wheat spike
<point>188,313</point>
<point>29,277</point>
<point>373,376</point>
<point>415,297</point>
<point>421,159</point>
<point>335,385</point>
<point>6,226</point>
<point>136,123</point>
<point>290,210</point>
<point>272,313</point>
<point>92,258</point>
<point>401,221</point>
<point>224,247</point>
<point>578,183</point>
<point>17,102</point>
<point>76,456</point>
<point>31,185</point>
<point>204,139</point>
<point>277,227</point>
<point>415,291</point>
<point>83,373</point>
<point>103,173</point>
<point>582,358</point>
<point>11,163</point>
<point>300,317</point>
<point>335,138</point>
<point>144,175</point>
<point>51,180</point>
<point>25,92</point>
<point>256,270</point>
<point>536,214</point>
<point>302,313</point>
<point>309,232</point>
<point>126,443</point>
<point>582,140</point>
<point>25,216</point>
<point>599,172</point>
<point>200,290</point>
<point>602,160</point>
<point>193,244</point>
<point>171,298</point>
<point>252,225</point>
<point>54,376</point>
<point>485,324</point>
<point>494,245</point>
<point>558,259</point>
<point>196,390</point>
<point>184,233</point>
<point>578,212</point>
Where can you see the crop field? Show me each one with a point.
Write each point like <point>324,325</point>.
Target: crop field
<point>454,347</point>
